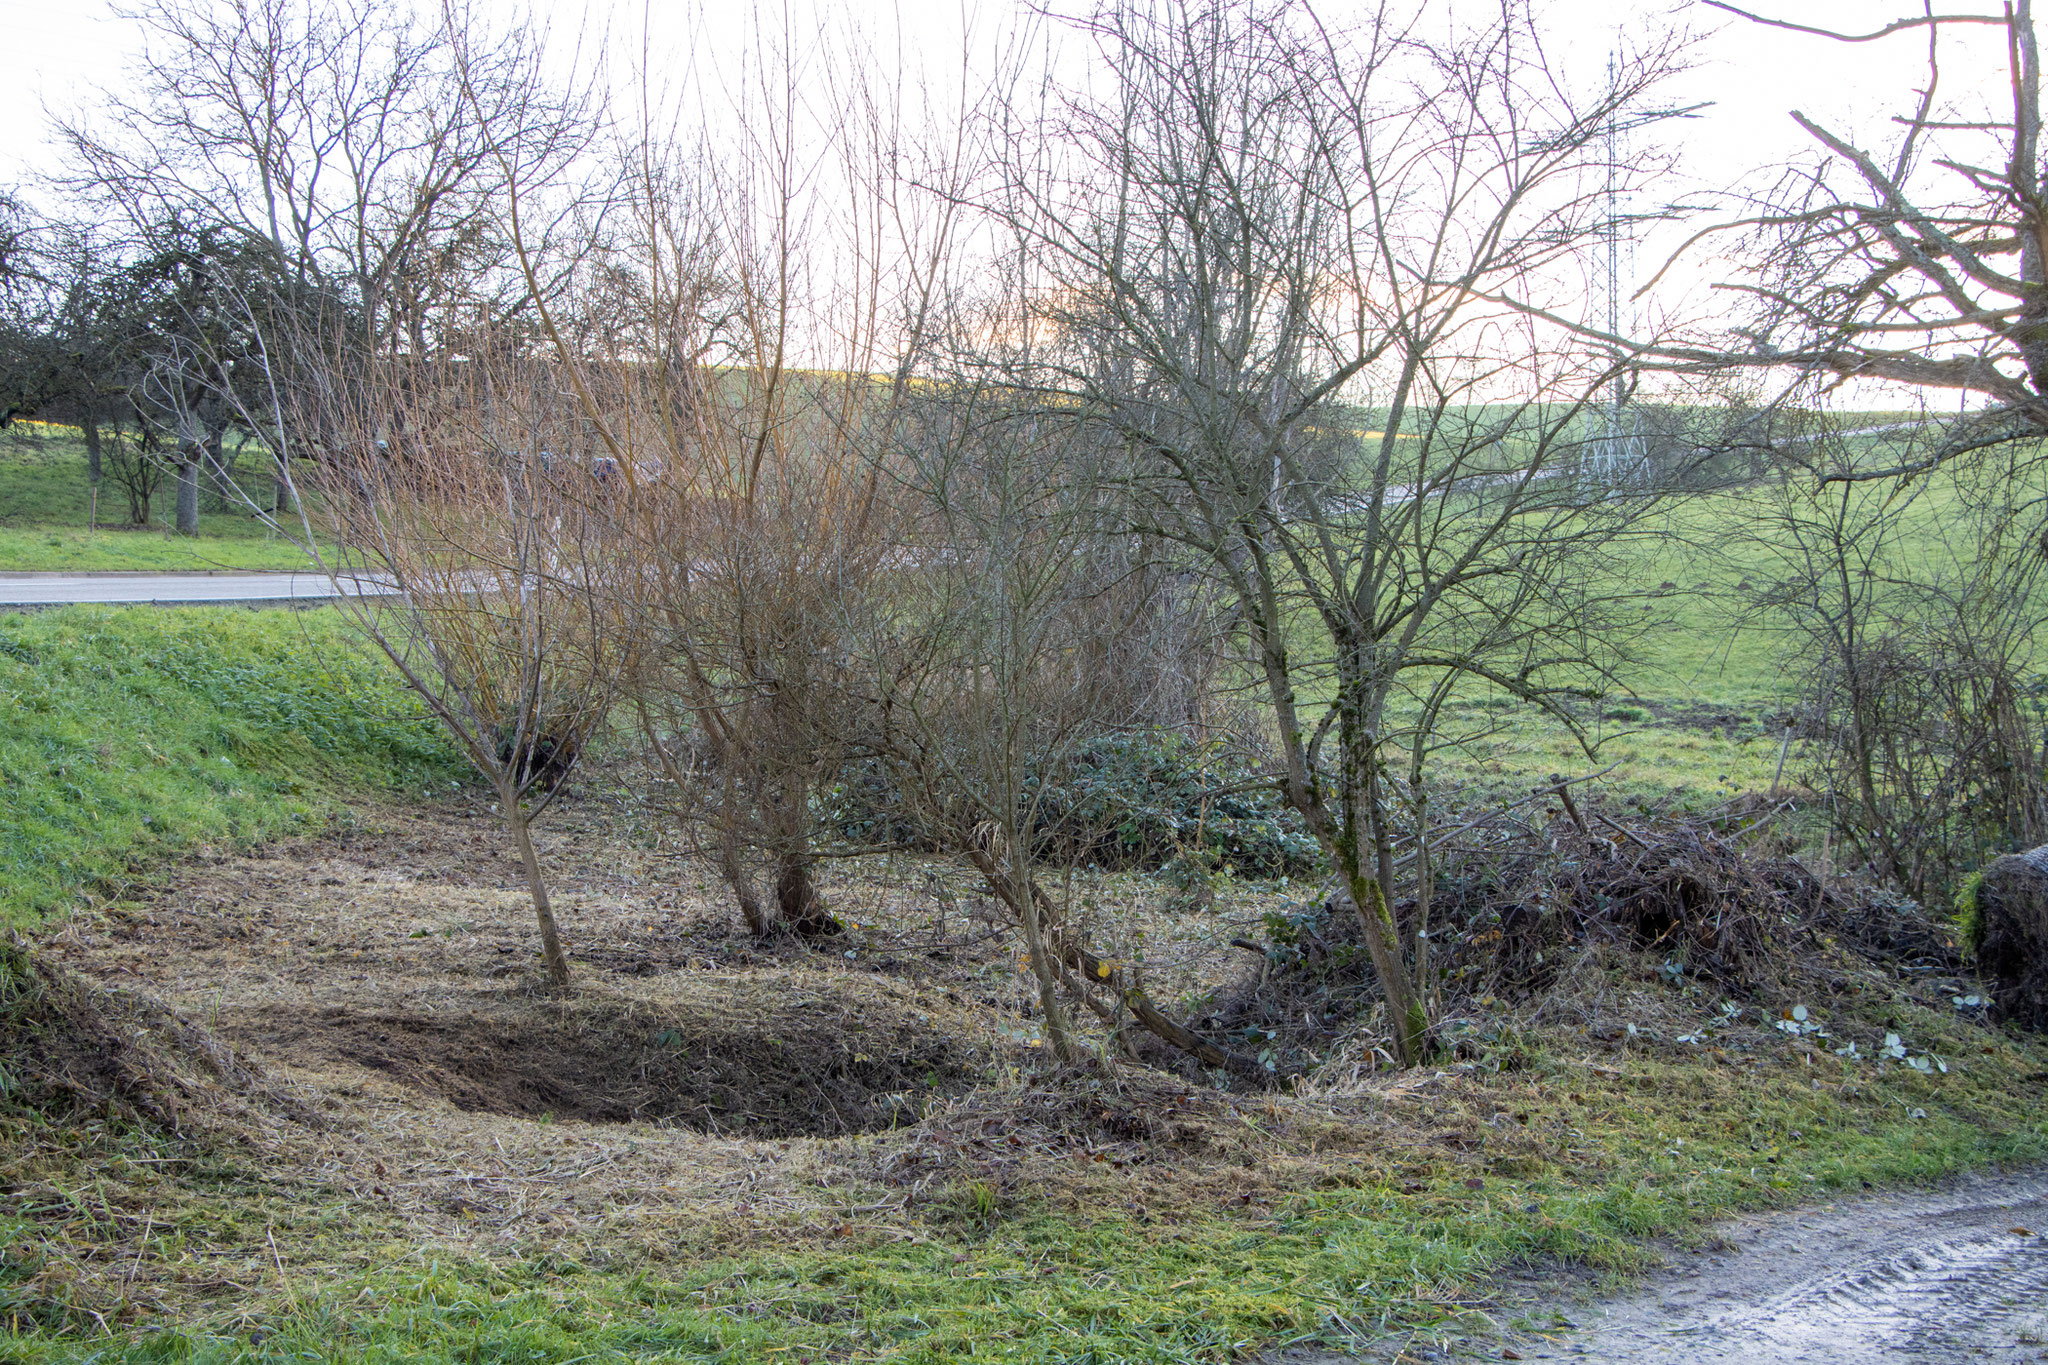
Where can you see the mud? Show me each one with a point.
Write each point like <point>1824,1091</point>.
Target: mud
<point>1960,1275</point>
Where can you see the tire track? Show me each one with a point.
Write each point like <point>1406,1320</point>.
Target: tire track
<point>1919,1278</point>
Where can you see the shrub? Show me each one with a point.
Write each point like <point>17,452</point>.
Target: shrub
<point>1145,799</point>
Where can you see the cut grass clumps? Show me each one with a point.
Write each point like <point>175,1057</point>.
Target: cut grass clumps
<point>126,733</point>
<point>70,1049</point>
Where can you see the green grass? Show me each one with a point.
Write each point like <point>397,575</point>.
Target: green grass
<point>1698,714</point>
<point>126,733</point>
<point>46,510</point>
<point>1405,1240</point>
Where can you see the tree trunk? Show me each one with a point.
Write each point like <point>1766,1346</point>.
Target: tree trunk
<point>1359,845</point>
<point>1067,954</point>
<point>734,870</point>
<point>1058,1030</point>
<point>543,909</point>
<point>188,493</point>
<point>89,427</point>
<point>1407,1017</point>
<point>280,490</point>
<point>796,895</point>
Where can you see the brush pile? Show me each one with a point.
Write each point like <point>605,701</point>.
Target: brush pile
<point>69,1048</point>
<point>1515,905</point>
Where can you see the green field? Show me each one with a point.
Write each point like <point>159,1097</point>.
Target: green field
<point>49,519</point>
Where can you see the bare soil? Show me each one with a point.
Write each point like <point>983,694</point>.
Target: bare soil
<point>697,1090</point>
<point>400,957</point>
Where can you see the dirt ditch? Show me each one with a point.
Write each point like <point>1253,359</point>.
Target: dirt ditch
<point>398,956</point>
<point>816,1065</point>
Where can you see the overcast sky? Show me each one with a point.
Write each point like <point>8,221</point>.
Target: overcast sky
<point>1753,76</point>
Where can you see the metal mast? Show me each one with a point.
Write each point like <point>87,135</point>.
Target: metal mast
<point>1616,455</point>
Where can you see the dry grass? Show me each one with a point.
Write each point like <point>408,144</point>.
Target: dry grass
<point>695,1092</point>
<point>374,1075</point>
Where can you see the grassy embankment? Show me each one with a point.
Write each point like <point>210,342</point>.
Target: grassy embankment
<point>129,733</point>
<point>47,515</point>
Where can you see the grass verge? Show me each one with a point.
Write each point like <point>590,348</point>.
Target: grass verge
<point>1428,1188</point>
<point>127,733</point>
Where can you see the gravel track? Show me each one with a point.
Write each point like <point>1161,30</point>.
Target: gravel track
<point>1959,1275</point>
<point>1954,1275</point>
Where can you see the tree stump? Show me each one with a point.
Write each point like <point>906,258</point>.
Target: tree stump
<point>2012,935</point>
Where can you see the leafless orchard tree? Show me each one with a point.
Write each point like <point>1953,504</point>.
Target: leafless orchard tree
<point>342,162</point>
<point>748,325</point>
<point>1297,276</point>
<point>993,653</point>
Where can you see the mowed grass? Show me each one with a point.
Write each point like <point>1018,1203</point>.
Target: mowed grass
<point>129,733</point>
<point>47,516</point>
<point>1403,1240</point>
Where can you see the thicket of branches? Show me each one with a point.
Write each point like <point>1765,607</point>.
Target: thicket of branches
<point>1227,373</point>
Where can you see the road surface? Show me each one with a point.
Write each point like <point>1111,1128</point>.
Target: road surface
<point>169,589</point>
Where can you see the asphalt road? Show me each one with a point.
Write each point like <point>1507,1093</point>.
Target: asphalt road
<point>172,589</point>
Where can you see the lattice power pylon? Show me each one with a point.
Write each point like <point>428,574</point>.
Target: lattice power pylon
<point>1616,453</point>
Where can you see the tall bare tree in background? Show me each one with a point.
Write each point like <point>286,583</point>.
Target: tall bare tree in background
<point>1292,271</point>
<point>1902,262</point>
<point>353,280</point>
<point>343,163</point>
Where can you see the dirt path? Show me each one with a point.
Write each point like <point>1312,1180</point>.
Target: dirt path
<point>1960,1275</point>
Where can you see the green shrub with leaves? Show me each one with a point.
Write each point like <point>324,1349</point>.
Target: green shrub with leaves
<point>1148,799</point>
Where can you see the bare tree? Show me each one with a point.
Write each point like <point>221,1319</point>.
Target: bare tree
<point>1909,252</point>
<point>1912,607</point>
<point>480,538</point>
<point>1296,274</point>
<point>756,312</point>
<point>330,179</point>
